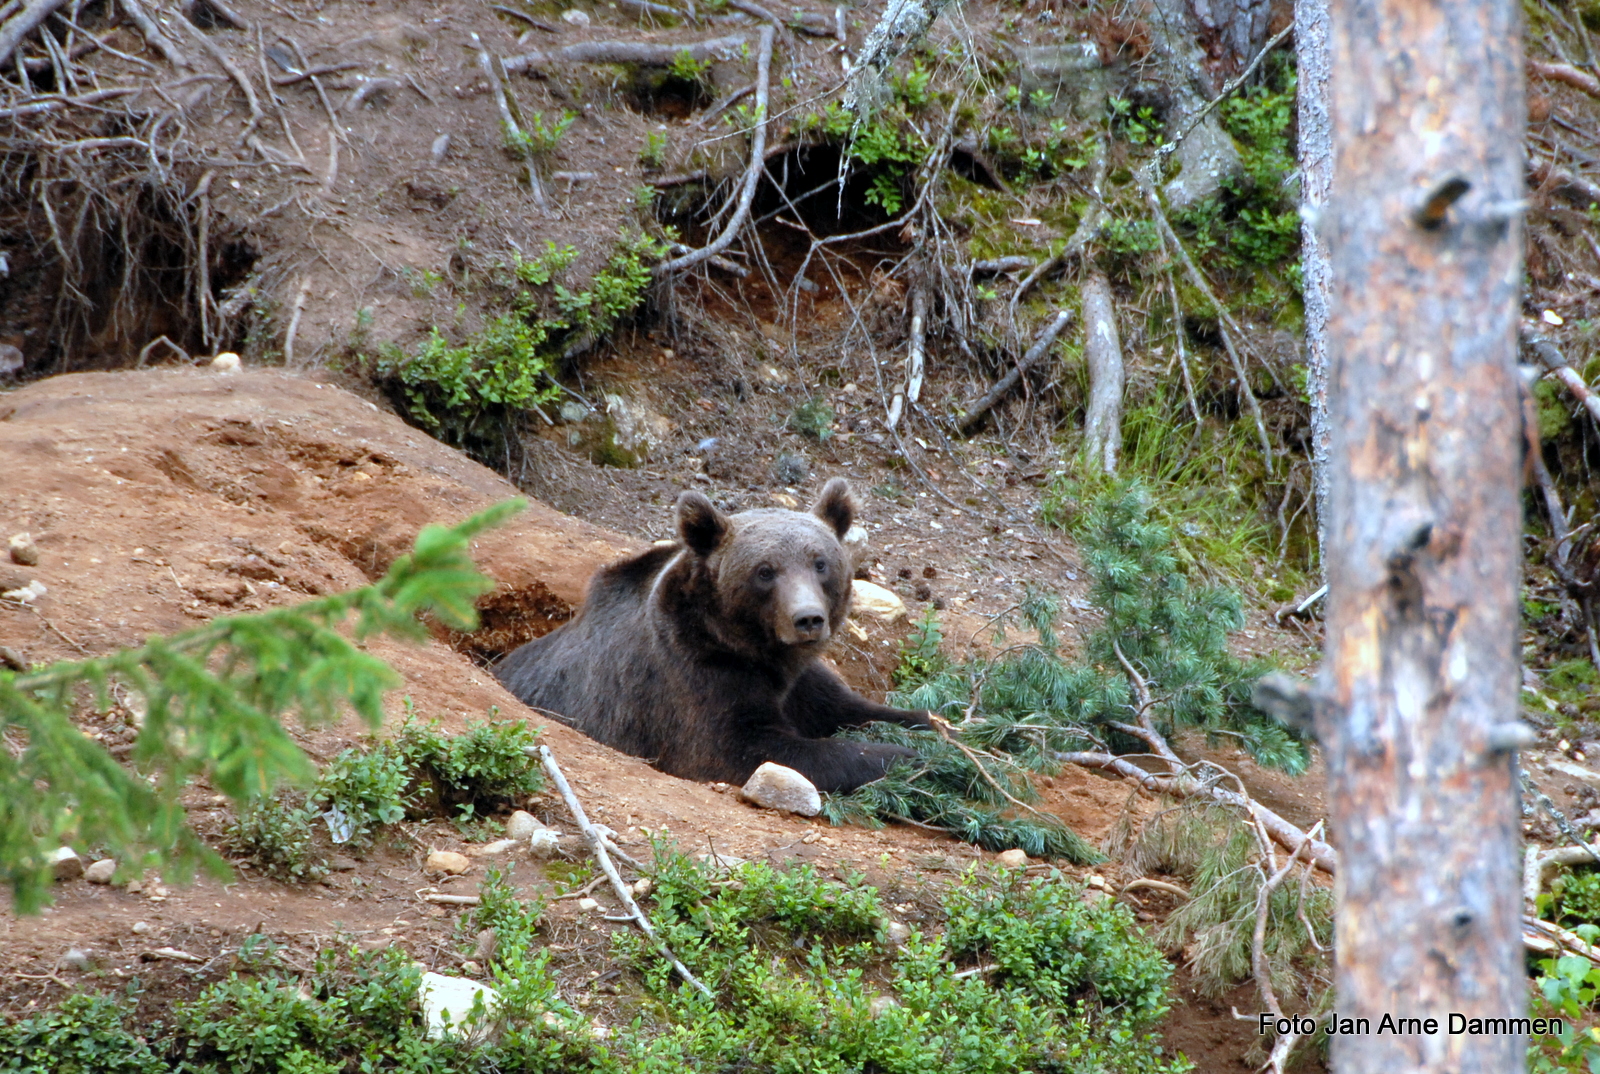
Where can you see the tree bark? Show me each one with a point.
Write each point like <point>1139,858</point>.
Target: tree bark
<point>1316,171</point>
<point>1102,349</point>
<point>1424,526</point>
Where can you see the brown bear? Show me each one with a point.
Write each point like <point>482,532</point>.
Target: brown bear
<point>703,656</point>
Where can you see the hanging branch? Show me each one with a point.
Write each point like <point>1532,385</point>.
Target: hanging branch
<point>752,174</point>
<point>1225,321</point>
<point>597,845</point>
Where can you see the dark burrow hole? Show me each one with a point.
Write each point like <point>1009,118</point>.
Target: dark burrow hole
<point>657,91</point>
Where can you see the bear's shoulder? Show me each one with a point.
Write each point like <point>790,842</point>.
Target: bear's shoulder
<point>636,573</point>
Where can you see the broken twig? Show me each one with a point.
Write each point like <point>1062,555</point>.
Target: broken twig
<point>979,409</point>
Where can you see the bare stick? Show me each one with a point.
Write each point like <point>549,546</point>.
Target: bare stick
<point>1183,355</point>
<point>649,53</point>
<point>24,23</point>
<point>752,175</point>
<point>226,63</point>
<point>597,845</point>
<point>277,105</point>
<point>1225,321</point>
<point>494,71</point>
<point>1166,150</point>
<point>1258,955</point>
<point>646,7</point>
<point>52,103</point>
<point>1102,348</point>
<point>916,356</point>
<point>330,175</point>
<point>1575,188</point>
<point>294,321</point>
<point>1553,361</point>
<point>1565,72</point>
<point>979,409</point>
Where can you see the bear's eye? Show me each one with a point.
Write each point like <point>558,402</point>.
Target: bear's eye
<point>766,574</point>
<point>822,566</point>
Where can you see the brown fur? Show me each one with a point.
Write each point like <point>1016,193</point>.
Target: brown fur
<point>704,656</point>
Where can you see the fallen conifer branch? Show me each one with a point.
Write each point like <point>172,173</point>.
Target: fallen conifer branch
<point>916,355</point>
<point>648,53</point>
<point>752,174</point>
<point>646,7</point>
<point>978,409</point>
<point>597,844</point>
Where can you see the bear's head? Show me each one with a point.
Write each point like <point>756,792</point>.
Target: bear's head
<point>779,580</point>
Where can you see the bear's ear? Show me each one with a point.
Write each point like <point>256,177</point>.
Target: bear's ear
<point>700,524</point>
<point>836,506</point>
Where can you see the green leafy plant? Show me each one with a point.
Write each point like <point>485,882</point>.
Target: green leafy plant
<point>214,696</point>
<point>542,268</point>
<point>1566,988</point>
<point>365,789</point>
<point>487,766</point>
<point>539,135</point>
<point>654,153</point>
<point>275,835</point>
<point>812,418</point>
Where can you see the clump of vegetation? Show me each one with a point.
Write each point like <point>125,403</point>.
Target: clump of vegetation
<point>1024,975</point>
<point>472,393</point>
<point>486,767</point>
<point>1014,714</point>
<point>812,418</point>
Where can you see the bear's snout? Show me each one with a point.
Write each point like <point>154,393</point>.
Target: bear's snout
<point>811,626</point>
<point>801,612</point>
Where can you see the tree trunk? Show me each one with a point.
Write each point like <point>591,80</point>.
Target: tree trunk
<point>1102,349</point>
<point>1424,524</point>
<point>1316,171</point>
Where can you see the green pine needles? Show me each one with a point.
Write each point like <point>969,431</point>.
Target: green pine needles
<point>1017,712</point>
<point>213,698</point>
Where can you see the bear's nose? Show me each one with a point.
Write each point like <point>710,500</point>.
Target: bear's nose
<point>809,627</point>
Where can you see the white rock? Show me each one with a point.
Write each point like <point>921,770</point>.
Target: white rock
<point>140,928</point>
<point>65,863</point>
<point>522,825</point>
<point>101,871</point>
<point>575,17</point>
<point>880,1004</point>
<point>27,594</point>
<point>898,932</point>
<point>23,550</point>
<point>871,599</point>
<point>588,905</point>
<point>447,1007</point>
<point>77,958</point>
<point>226,362</point>
<point>544,844</point>
<point>447,861</point>
<point>499,846</point>
<point>773,786</point>
<point>1013,858</point>
<point>642,887</point>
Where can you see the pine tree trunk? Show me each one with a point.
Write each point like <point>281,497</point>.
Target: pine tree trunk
<point>1316,170</point>
<point>1424,524</point>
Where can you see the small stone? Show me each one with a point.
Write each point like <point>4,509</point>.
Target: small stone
<point>1097,881</point>
<point>135,886</point>
<point>472,968</point>
<point>898,932</point>
<point>499,846</point>
<point>544,844</point>
<point>27,594</point>
<point>440,147</point>
<point>341,864</point>
<point>642,887</point>
<point>101,871</point>
<point>869,598</point>
<point>11,358</point>
<point>77,959</point>
<point>574,17</point>
<point>65,864</point>
<point>1013,858</point>
<point>588,905</point>
<point>23,550</point>
<point>140,927</point>
<point>226,362</point>
<point>447,861</point>
<point>522,825</point>
<point>772,786</point>
<point>881,1004</point>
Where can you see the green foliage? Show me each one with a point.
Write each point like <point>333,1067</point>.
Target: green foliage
<point>87,1034</point>
<point>462,393</point>
<point>1220,858</point>
<point>888,146</point>
<point>366,787</point>
<point>539,135</point>
<point>1016,712</point>
<point>469,394</point>
<point>688,69</point>
<point>804,984</point>
<point>920,658</point>
<point>812,418</point>
<point>214,696</point>
<point>1133,124</point>
<point>1566,988</point>
<point>654,153</point>
<point>1576,897</point>
<point>275,835</point>
<point>487,766</point>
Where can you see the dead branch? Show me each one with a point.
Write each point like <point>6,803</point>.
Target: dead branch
<point>52,102</point>
<point>1565,72</point>
<point>312,72</point>
<point>1183,354</point>
<point>495,72</point>
<point>369,87</point>
<point>1225,323</point>
<point>1168,148</point>
<point>330,174</point>
<point>160,341</point>
<point>226,63</point>
<point>916,355</point>
<point>537,24</point>
<point>1258,955</point>
<point>646,7</point>
<point>597,846</point>
<point>1089,226</point>
<point>1157,885</point>
<point>752,175</point>
<point>1102,425</point>
<point>749,7</point>
<point>678,178</point>
<point>297,308</point>
<point>902,25</point>
<point>1538,864</point>
<point>23,23</point>
<point>1550,939</point>
<point>1550,357</point>
<point>722,264</point>
<point>709,115</point>
<point>978,410</point>
<point>1576,189</point>
<point>648,53</point>
<point>999,265</point>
